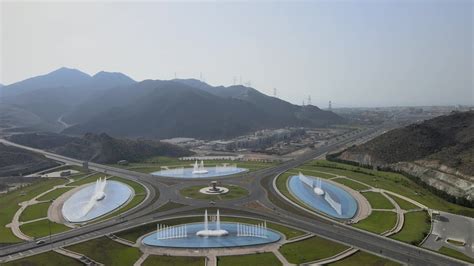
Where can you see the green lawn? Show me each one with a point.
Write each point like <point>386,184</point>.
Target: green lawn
<point>260,259</point>
<point>352,184</point>
<point>235,192</point>
<point>9,204</point>
<point>415,228</point>
<point>35,211</point>
<point>378,201</point>
<point>49,258</point>
<point>107,251</point>
<point>311,249</point>
<point>174,261</point>
<point>134,233</point>
<point>393,182</point>
<point>405,205</point>
<point>378,222</point>
<point>455,254</point>
<point>41,228</point>
<point>366,259</point>
<point>54,194</point>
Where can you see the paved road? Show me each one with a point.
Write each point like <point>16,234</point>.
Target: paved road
<point>259,184</point>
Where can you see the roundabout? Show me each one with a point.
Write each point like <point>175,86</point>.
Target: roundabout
<point>95,200</point>
<point>323,196</point>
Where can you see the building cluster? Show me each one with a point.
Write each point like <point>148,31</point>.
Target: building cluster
<point>259,140</point>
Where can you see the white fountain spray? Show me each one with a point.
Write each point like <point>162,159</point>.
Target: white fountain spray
<point>98,195</point>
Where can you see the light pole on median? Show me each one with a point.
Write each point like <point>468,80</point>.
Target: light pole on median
<point>49,225</point>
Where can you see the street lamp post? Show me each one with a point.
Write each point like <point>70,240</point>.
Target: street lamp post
<point>49,225</point>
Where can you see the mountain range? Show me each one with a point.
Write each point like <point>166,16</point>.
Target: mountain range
<point>116,104</point>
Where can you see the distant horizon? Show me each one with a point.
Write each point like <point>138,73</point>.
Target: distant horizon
<point>353,53</point>
<point>214,85</point>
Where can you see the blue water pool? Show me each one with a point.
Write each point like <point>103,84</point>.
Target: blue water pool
<point>305,193</point>
<point>188,172</point>
<point>116,194</point>
<point>193,241</point>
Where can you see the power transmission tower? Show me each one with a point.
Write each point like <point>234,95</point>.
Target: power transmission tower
<point>309,99</point>
<point>330,106</point>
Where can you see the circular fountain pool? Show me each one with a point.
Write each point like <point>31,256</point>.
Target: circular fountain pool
<point>211,172</point>
<point>230,240</point>
<point>318,202</point>
<point>115,195</point>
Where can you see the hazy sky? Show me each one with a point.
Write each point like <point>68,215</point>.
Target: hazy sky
<point>355,53</point>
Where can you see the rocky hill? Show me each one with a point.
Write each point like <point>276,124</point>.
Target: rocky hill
<point>439,151</point>
<point>15,161</point>
<point>99,148</point>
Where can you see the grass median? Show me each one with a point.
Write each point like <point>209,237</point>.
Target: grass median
<point>36,211</point>
<point>311,249</point>
<point>173,261</point>
<point>415,228</point>
<point>378,201</point>
<point>107,251</point>
<point>10,201</point>
<point>378,222</point>
<point>260,259</point>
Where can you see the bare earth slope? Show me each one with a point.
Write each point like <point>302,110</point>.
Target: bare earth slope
<point>440,151</point>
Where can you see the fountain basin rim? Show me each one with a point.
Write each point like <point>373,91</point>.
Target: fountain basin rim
<point>83,186</point>
<point>141,239</point>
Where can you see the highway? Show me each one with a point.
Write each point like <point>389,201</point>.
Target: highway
<point>261,190</point>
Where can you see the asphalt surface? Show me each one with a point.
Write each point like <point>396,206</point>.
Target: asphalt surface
<point>258,183</point>
<point>452,226</point>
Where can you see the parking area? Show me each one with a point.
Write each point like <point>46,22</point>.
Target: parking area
<point>457,228</point>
